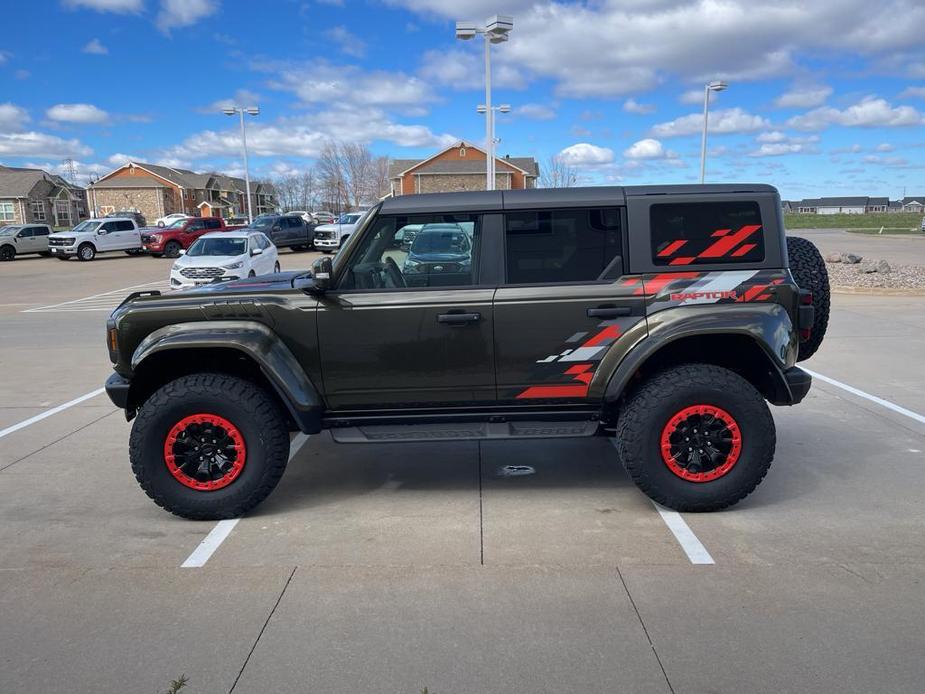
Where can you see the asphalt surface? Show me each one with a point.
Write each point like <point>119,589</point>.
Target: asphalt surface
<point>390,568</point>
<point>900,249</point>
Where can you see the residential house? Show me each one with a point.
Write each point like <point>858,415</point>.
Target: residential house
<point>156,191</point>
<point>33,195</point>
<point>914,204</point>
<point>786,206</point>
<point>460,167</point>
<point>876,205</point>
<point>807,206</point>
<point>848,205</point>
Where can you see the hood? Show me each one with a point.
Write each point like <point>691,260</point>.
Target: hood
<point>60,234</point>
<point>277,282</point>
<point>439,257</point>
<point>328,227</point>
<point>208,260</point>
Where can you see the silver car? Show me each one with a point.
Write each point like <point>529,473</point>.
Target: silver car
<point>23,238</point>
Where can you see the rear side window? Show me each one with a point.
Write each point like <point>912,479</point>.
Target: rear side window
<point>40,231</point>
<point>702,233</point>
<point>550,246</point>
<point>213,224</point>
<point>124,225</point>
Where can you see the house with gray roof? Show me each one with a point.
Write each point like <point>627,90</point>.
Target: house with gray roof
<point>156,190</point>
<point>460,167</point>
<point>914,204</point>
<point>33,195</point>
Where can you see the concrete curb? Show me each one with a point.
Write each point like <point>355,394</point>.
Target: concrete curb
<point>877,291</point>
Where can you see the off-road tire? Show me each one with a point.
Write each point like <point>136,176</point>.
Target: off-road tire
<point>808,269</point>
<point>7,253</point>
<point>652,405</point>
<point>86,252</point>
<point>255,414</point>
<point>172,249</point>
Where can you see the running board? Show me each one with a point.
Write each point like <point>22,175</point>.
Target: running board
<point>463,431</point>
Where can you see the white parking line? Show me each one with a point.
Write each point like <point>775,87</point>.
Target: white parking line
<point>223,528</point>
<point>867,396</point>
<point>682,532</point>
<point>106,301</point>
<point>48,413</point>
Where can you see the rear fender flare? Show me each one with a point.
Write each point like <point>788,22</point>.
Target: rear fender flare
<point>769,325</point>
<point>256,341</point>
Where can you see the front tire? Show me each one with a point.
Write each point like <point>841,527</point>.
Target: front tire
<point>7,253</point>
<point>696,437</point>
<point>172,249</point>
<point>86,252</point>
<point>236,426</point>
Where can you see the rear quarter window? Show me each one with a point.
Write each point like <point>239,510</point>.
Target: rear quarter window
<point>705,233</point>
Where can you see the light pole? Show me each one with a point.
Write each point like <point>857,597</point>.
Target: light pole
<point>716,86</point>
<point>251,111</point>
<point>496,30</point>
<point>482,108</point>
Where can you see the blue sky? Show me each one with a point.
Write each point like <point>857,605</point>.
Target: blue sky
<point>825,97</point>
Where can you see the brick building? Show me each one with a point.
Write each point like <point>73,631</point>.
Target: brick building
<point>156,191</point>
<point>460,166</point>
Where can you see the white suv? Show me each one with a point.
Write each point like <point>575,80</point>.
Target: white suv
<point>224,255</point>
<point>94,236</point>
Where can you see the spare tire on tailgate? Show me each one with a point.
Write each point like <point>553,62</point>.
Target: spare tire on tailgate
<point>808,269</point>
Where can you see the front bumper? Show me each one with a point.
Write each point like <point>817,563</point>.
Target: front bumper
<point>327,243</point>
<point>63,250</point>
<point>799,382</point>
<point>178,281</point>
<point>117,388</point>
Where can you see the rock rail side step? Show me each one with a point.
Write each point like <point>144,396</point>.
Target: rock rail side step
<point>469,431</point>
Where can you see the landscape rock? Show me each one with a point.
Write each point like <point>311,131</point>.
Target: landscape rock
<point>875,266</point>
<point>833,258</point>
<point>851,258</point>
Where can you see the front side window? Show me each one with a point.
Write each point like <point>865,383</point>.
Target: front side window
<point>701,233</point>
<point>416,251</point>
<point>6,212</point>
<point>550,246</point>
<point>25,233</point>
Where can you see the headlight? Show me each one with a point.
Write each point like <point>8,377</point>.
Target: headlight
<point>234,266</point>
<point>156,238</point>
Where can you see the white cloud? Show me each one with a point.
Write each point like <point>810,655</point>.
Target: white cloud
<point>242,97</point>
<point>175,14</point>
<point>77,113</point>
<point>94,47</point>
<point>12,117</point>
<point>120,159</point>
<point>913,93</point>
<point>776,149</point>
<point>536,111</point>
<point>633,106</point>
<point>4,56</point>
<point>885,147</point>
<point>868,113</point>
<point>803,97</point>
<point>35,144</point>
<point>121,6</point>
<point>463,69</point>
<point>772,136</point>
<point>693,96</point>
<point>722,122</point>
<point>648,148</point>
<point>584,154</point>
<point>349,43</point>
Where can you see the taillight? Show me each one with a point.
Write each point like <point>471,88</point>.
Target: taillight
<point>806,297</point>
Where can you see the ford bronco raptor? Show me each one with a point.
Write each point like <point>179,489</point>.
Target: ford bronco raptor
<point>666,317</point>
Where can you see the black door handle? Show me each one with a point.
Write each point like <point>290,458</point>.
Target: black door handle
<point>459,318</point>
<point>609,311</point>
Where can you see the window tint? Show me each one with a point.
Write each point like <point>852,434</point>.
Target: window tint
<point>40,231</point>
<point>25,233</point>
<point>213,224</point>
<point>563,246</point>
<point>124,225</point>
<point>109,227</point>
<point>706,232</point>
<point>419,251</point>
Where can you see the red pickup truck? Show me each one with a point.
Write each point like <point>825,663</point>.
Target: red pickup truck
<point>168,240</point>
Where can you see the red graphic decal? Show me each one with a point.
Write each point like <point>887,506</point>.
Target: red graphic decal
<point>611,332</point>
<point>631,281</point>
<point>728,242</point>
<point>681,296</point>
<point>743,250</point>
<point>720,232</point>
<point>671,248</point>
<point>683,260</point>
<point>554,392</point>
<point>580,372</point>
<point>752,292</point>
<point>659,282</point>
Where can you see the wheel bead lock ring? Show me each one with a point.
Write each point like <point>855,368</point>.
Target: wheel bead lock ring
<point>223,448</point>
<point>701,434</point>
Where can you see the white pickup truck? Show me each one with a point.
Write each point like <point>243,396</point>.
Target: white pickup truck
<point>94,236</point>
<point>330,237</point>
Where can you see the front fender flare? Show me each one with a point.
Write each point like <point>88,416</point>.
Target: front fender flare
<point>256,341</point>
<point>769,325</point>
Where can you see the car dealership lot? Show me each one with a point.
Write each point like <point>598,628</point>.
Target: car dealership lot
<point>460,567</point>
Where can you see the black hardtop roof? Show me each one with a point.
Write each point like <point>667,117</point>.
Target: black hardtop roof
<point>532,198</point>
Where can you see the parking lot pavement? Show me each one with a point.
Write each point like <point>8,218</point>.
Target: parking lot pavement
<point>906,249</point>
<point>506,567</point>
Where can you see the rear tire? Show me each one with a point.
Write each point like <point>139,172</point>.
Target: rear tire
<point>86,252</point>
<point>251,418</point>
<point>655,423</point>
<point>808,269</point>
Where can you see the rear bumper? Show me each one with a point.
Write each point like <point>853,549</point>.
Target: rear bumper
<point>117,388</point>
<point>798,382</point>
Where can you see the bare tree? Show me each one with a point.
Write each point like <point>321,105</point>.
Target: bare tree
<point>350,176</point>
<point>557,173</point>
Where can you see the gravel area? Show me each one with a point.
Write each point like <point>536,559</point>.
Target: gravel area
<point>899,276</point>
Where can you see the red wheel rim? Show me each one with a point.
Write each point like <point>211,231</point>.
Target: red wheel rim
<point>701,443</point>
<point>205,452</point>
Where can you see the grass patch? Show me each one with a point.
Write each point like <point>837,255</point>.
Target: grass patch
<point>895,220</point>
<point>886,230</point>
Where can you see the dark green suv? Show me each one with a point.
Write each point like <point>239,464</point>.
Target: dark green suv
<point>666,317</point>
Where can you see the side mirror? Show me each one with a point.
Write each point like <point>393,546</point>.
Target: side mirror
<point>322,273</point>
<point>182,251</point>
<point>101,232</point>
<point>257,251</point>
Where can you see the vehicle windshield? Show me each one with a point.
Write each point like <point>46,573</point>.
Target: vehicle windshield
<point>263,222</point>
<point>350,218</point>
<point>218,246</point>
<point>86,226</point>
<point>175,224</point>
<point>6,231</point>
<point>455,242</point>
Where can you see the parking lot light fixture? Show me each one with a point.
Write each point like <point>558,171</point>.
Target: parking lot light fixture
<point>503,108</point>
<point>240,111</point>
<point>495,30</point>
<point>715,86</point>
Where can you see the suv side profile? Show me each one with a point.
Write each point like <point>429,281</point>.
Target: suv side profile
<point>94,236</point>
<point>23,238</point>
<point>666,317</point>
